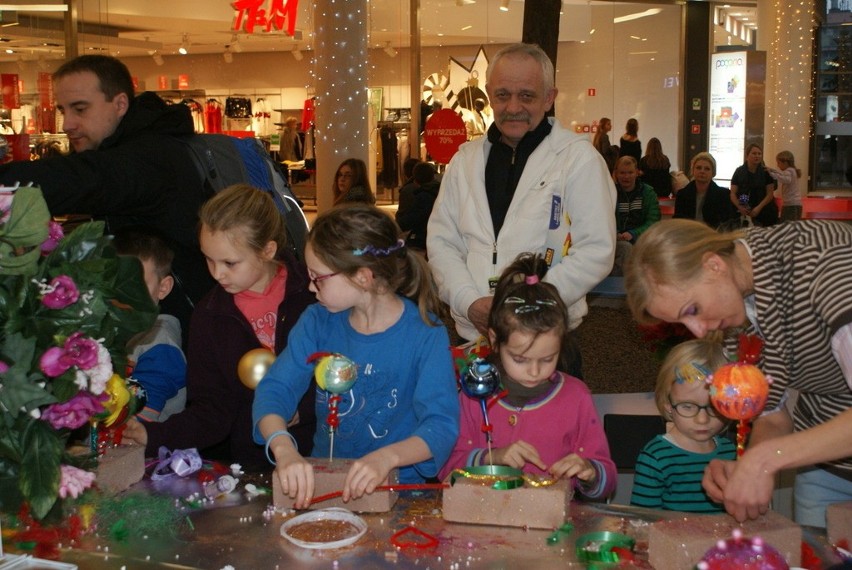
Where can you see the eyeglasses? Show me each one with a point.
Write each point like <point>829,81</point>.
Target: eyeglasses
<point>690,409</point>
<point>320,278</point>
<point>345,175</point>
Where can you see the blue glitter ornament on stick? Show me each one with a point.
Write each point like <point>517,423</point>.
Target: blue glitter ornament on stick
<point>479,380</point>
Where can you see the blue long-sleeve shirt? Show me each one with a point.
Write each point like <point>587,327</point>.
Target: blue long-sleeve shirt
<point>405,387</point>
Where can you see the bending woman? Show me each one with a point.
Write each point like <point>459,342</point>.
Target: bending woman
<point>790,284</point>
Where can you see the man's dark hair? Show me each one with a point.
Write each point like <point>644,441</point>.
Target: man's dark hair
<point>113,75</point>
<point>424,173</point>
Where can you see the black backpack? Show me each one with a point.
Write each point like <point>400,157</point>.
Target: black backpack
<point>222,160</point>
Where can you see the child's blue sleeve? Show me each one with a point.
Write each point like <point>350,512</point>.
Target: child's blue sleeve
<point>289,377</point>
<point>161,370</point>
<point>436,404</point>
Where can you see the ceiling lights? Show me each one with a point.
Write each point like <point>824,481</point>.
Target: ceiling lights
<point>465,2</point>
<point>183,46</point>
<point>390,50</point>
<point>297,53</point>
<point>504,5</point>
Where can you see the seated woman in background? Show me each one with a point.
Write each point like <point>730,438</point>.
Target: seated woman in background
<point>351,183</point>
<point>702,199</point>
<point>753,190</point>
<point>654,167</point>
<point>629,144</point>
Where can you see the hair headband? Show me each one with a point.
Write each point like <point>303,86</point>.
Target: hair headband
<point>379,251</point>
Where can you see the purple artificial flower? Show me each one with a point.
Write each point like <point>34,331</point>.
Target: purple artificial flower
<point>74,413</point>
<point>74,481</point>
<point>3,367</point>
<point>63,292</point>
<point>54,236</point>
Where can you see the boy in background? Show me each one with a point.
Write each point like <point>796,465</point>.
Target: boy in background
<point>155,356</point>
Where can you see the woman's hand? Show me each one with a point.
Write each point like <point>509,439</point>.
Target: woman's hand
<point>517,455</point>
<point>743,486</point>
<point>574,466</point>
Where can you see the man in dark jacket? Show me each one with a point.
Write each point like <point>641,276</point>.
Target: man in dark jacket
<point>415,204</point>
<point>127,166</point>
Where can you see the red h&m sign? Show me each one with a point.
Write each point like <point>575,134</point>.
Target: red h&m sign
<point>11,95</point>
<point>251,13</point>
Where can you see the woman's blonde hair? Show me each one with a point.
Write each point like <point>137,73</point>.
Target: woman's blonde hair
<point>706,157</point>
<point>706,352</point>
<point>671,252</point>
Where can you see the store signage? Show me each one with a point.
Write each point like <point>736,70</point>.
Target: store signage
<point>11,95</point>
<point>266,15</point>
<point>445,131</point>
<point>727,110</point>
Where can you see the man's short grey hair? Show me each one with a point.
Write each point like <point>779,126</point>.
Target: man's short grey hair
<point>531,50</point>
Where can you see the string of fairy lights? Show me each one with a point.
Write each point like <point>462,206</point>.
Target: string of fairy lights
<point>340,77</point>
<point>791,77</point>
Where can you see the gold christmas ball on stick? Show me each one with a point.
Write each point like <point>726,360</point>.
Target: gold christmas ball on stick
<point>253,366</point>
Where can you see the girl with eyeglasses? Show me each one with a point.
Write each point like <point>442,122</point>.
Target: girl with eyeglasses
<point>377,307</point>
<point>671,466</point>
<point>544,422</point>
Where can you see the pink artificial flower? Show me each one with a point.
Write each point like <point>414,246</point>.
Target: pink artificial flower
<point>6,205</point>
<point>74,481</point>
<point>82,350</point>
<point>3,367</point>
<point>75,412</point>
<point>54,236</point>
<point>79,351</point>
<point>53,363</point>
<point>63,292</point>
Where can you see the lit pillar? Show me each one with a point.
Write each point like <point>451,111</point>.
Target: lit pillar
<point>340,78</point>
<point>786,31</point>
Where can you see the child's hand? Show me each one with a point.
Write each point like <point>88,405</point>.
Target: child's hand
<point>135,432</point>
<point>295,475</point>
<point>517,455</point>
<point>367,473</point>
<point>574,466</point>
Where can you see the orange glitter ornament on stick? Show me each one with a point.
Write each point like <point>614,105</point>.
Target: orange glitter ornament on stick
<point>739,390</point>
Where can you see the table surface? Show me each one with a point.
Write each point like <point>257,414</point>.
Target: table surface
<point>242,531</point>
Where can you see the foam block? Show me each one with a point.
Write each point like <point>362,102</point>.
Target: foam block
<point>682,541</point>
<point>328,478</point>
<point>120,467</point>
<point>839,519</point>
<point>473,501</point>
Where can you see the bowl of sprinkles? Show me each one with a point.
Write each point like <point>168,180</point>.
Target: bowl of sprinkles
<point>324,529</point>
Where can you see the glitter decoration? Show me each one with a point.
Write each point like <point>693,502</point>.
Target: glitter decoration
<point>739,553</point>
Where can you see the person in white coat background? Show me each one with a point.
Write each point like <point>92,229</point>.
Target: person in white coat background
<point>528,185</point>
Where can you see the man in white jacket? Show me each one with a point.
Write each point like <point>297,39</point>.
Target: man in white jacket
<point>529,185</point>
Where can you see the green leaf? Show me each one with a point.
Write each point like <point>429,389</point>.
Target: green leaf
<point>39,477</point>
<point>24,232</point>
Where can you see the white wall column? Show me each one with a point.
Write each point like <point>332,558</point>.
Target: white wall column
<point>340,76</point>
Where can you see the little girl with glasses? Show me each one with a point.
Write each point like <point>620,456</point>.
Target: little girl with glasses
<point>377,307</point>
<point>671,466</point>
<point>545,421</point>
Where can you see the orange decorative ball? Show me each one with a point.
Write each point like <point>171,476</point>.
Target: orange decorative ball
<point>738,391</point>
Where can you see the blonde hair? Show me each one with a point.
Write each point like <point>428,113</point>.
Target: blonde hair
<point>706,352</point>
<point>671,252</point>
<point>706,157</point>
<point>243,209</point>
<point>787,157</point>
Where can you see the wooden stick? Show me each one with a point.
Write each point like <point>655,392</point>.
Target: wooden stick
<point>406,487</point>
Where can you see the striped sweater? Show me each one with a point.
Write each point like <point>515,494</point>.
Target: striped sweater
<point>803,295</point>
<point>669,477</point>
